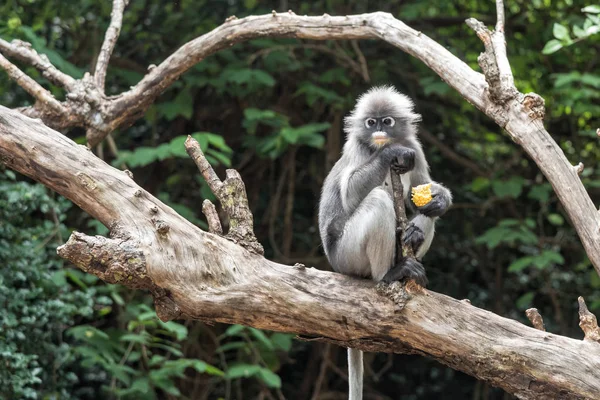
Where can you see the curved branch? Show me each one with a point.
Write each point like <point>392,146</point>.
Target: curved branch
<point>195,274</point>
<point>378,25</point>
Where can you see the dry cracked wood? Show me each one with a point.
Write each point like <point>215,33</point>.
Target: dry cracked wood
<point>195,274</point>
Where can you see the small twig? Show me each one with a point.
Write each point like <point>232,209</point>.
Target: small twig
<point>110,39</point>
<point>588,322</point>
<point>579,168</point>
<point>31,86</point>
<point>210,212</point>
<point>232,195</point>
<point>24,52</point>
<point>536,319</point>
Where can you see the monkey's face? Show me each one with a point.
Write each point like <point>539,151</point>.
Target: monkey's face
<point>382,117</point>
<point>380,130</point>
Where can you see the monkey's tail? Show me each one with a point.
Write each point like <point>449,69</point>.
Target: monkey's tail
<point>355,374</point>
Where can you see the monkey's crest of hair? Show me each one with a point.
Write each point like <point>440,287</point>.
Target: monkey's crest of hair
<point>382,101</point>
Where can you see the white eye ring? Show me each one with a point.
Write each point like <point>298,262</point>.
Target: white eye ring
<point>389,121</point>
<point>370,122</point>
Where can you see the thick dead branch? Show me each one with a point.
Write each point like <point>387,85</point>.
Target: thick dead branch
<point>195,274</point>
<point>588,322</point>
<point>110,39</point>
<point>232,195</point>
<point>536,319</point>
<point>23,52</point>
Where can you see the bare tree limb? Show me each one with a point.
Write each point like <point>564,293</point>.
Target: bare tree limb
<point>197,275</point>
<point>31,86</point>
<point>366,26</point>
<point>23,52</point>
<point>110,39</point>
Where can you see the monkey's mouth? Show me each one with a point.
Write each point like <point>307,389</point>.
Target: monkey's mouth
<point>380,138</point>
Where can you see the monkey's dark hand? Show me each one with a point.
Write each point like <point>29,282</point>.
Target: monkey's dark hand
<point>442,200</point>
<point>413,236</point>
<point>408,268</point>
<point>402,159</point>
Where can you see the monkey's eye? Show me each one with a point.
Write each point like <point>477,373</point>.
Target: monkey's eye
<point>389,121</point>
<point>370,122</point>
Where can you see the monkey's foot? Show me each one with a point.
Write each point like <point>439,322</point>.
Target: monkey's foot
<point>408,268</point>
<point>413,236</point>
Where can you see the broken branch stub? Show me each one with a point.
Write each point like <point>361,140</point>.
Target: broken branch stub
<point>588,322</point>
<point>232,194</point>
<point>536,319</point>
<point>212,217</point>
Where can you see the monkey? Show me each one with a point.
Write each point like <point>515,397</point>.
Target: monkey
<point>357,223</point>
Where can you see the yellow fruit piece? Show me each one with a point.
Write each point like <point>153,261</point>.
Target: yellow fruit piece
<point>421,195</point>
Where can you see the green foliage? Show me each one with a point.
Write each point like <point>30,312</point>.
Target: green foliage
<point>216,151</point>
<point>590,26</point>
<point>137,358</point>
<point>258,343</point>
<point>509,231</point>
<point>283,136</point>
<point>37,296</point>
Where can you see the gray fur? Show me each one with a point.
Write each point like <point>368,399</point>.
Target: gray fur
<point>356,211</point>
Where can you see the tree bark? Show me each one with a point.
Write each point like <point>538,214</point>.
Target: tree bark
<point>199,275</point>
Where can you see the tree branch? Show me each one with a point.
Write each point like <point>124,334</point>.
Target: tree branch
<point>31,86</point>
<point>110,39</point>
<point>23,52</point>
<point>198,275</point>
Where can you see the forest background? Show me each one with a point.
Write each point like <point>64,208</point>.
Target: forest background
<point>273,109</point>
